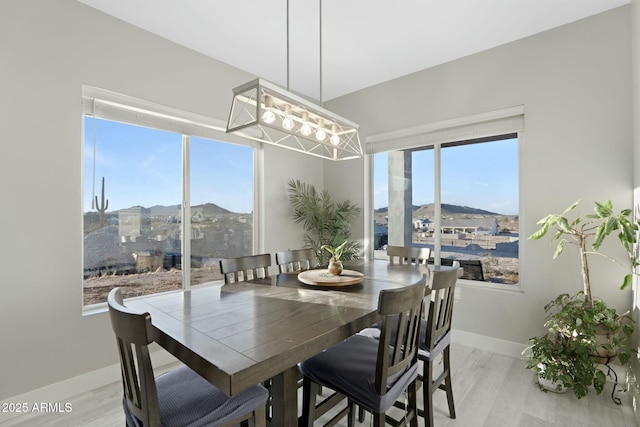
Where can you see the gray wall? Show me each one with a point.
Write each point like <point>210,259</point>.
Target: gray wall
<point>48,49</point>
<point>575,85</point>
<point>635,46</point>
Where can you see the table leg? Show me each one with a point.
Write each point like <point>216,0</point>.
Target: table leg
<point>284,398</point>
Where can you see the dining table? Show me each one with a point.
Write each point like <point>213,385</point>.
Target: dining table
<point>239,334</point>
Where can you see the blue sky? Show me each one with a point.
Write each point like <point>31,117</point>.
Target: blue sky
<point>143,167</point>
<point>483,176</point>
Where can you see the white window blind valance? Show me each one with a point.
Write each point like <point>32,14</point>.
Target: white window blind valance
<point>499,122</point>
<point>122,108</point>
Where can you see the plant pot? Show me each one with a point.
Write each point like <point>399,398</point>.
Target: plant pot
<point>603,336</point>
<point>335,267</point>
<point>552,386</point>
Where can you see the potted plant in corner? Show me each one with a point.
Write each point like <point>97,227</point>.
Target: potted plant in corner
<point>583,331</point>
<point>325,222</point>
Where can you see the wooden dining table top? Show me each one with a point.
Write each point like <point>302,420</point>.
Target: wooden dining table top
<point>237,335</point>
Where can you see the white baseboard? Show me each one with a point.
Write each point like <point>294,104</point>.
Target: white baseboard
<point>493,345</point>
<point>65,389</point>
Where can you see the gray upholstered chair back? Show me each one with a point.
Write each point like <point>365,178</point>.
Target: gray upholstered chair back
<point>134,333</point>
<point>442,284</point>
<point>296,260</point>
<point>245,268</point>
<point>401,311</point>
<point>408,255</point>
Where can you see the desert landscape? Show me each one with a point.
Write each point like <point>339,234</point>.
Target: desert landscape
<point>138,249</point>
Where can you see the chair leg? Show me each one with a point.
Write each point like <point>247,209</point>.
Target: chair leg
<point>427,393</point>
<point>360,414</point>
<point>412,402</point>
<point>447,382</point>
<point>379,420</point>
<point>351,416</point>
<point>309,393</point>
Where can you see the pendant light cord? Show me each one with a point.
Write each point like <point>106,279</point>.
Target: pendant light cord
<point>287,45</point>
<point>320,25</point>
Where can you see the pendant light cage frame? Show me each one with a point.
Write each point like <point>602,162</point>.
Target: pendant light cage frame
<point>265,112</point>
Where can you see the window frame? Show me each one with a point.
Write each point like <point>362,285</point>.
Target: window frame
<point>508,121</point>
<point>108,105</point>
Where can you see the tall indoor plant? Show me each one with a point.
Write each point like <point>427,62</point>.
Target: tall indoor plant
<point>582,331</point>
<point>592,228</point>
<point>326,223</point>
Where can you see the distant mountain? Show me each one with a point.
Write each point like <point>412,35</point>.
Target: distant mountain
<point>456,210</point>
<point>164,210</point>
<point>208,209</point>
<point>427,210</point>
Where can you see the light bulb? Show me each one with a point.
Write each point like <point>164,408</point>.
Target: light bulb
<point>287,122</point>
<point>268,116</point>
<point>305,129</point>
<point>335,139</point>
<point>320,133</point>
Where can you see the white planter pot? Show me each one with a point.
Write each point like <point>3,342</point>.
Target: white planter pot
<point>553,386</point>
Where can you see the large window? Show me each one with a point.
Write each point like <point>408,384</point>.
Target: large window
<point>458,198</point>
<point>160,207</point>
<point>221,183</point>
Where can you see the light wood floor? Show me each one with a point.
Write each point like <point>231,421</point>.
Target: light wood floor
<point>490,390</point>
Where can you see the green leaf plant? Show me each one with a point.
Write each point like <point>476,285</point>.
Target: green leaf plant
<point>596,228</point>
<point>569,351</point>
<point>326,223</point>
<point>583,331</point>
<point>336,252</point>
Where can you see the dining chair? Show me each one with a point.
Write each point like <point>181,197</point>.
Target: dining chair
<point>435,340</point>
<point>408,255</point>
<point>245,268</point>
<point>371,373</point>
<point>296,260</point>
<point>180,397</point>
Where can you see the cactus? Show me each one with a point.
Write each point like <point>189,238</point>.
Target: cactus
<point>102,208</point>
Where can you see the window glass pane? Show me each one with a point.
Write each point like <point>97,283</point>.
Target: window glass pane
<point>423,185</point>
<point>479,205</point>
<point>221,205</point>
<point>131,225</point>
<point>479,191</point>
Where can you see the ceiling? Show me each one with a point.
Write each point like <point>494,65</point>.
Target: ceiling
<point>364,42</point>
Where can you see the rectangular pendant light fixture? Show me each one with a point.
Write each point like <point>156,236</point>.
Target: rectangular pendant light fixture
<point>263,111</point>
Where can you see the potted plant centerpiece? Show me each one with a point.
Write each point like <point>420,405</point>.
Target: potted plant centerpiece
<point>335,265</point>
<point>581,330</point>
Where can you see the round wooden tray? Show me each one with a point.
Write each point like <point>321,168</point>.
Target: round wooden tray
<point>323,278</point>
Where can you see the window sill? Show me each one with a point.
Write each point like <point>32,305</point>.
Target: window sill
<point>90,310</point>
